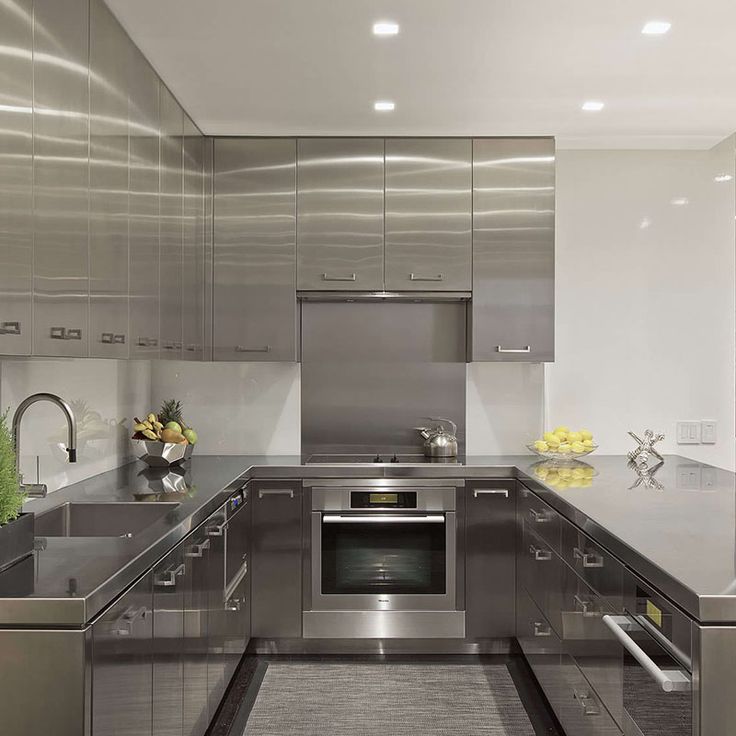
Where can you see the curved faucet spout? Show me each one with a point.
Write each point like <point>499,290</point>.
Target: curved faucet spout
<point>71,449</point>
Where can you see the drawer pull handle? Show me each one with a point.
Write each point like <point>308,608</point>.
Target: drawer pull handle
<point>217,530</point>
<point>590,559</point>
<point>540,517</point>
<point>197,550</point>
<point>126,621</point>
<point>168,578</point>
<point>668,680</point>
<point>543,555</point>
<point>585,605</point>
<point>275,492</point>
<point>587,702</point>
<point>10,328</point>
<point>541,629</point>
<point>525,349</point>
<point>419,277</point>
<point>490,492</point>
<point>246,349</point>
<point>327,277</point>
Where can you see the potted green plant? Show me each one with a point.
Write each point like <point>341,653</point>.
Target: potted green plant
<point>16,528</point>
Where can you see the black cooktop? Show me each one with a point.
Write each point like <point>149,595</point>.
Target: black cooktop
<point>381,458</point>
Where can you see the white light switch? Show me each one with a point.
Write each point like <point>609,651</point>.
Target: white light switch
<point>708,431</point>
<point>688,433</point>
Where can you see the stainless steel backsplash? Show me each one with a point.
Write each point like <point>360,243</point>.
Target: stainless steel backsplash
<point>372,371</point>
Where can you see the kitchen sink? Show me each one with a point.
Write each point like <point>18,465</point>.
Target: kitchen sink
<point>100,519</point>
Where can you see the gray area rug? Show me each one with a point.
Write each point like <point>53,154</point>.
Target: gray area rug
<point>326,699</point>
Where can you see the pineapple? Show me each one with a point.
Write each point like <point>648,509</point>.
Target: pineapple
<point>170,411</point>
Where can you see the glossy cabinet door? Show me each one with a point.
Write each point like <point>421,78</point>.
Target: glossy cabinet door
<point>108,173</point>
<point>340,214</point>
<point>16,176</point>
<point>171,230</point>
<point>144,203</point>
<point>61,177</point>
<point>513,249</point>
<point>490,558</point>
<point>169,585</point>
<point>122,665</point>
<point>255,312</point>
<point>429,214</point>
<point>276,577</point>
<point>193,244</point>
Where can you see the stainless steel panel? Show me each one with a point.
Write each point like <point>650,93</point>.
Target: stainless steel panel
<point>276,578</point>
<point>193,244</point>
<point>340,203</point>
<point>171,230</point>
<point>61,177</point>
<point>541,573</point>
<point>384,624</point>
<point>255,312</point>
<point>217,616</point>
<point>428,214</point>
<point>44,681</point>
<point>714,705</point>
<point>490,558</point>
<point>143,233</point>
<point>122,668</point>
<point>513,249</point>
<point>540,517</point>
<point>373,372</point>
<point>437,495</point>
<point>16,177</point>
<point>208,174</point>
<point>108,178</point>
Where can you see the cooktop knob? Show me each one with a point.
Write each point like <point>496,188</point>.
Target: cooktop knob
<point>394,459</point>
<point>377,459</point>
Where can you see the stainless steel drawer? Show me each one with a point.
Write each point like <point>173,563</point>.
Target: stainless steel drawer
<point>540,572</point>
<point>598,567</point>
<point>589,642</point>
<point>542,518</point>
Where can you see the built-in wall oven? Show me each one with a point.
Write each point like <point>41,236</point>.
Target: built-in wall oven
<point>384,560</point>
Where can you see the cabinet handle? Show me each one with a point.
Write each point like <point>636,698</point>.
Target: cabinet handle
<point>168,578</point>
<point>543,555</point>
<point>587,702</point>
<point>118,339</point>
<point>246,349</point>
<point>147,342</point>
<point>584,604</point>
<point>590,559</point>
<point>419,277</point>
<point>233,604</point>
<point>540,517</point>
<point>197,550</point>
<point>275,492</point>
<point>73,333</point>
<point>10,328</point>
<point>218,530</point>
<point>106,338</point>
<point>525,349</point>
<point>327,277</point>
<point>65,333</point>
<point>126,621</point>
<point>490,492</point>
<point>542,629</point>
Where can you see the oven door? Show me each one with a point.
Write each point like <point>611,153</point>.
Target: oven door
<point>383,561</point>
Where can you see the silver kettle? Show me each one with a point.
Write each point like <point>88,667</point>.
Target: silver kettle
<point>437,441</point>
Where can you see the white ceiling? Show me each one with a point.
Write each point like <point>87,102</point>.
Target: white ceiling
<point>458,67</point>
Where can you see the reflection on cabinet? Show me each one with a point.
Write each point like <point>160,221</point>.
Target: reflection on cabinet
<point>490,558</point>
<point>108,182</point>
<point>61,178</point>
<point>340,213</point>
<point>255,314</point>
<point>276,580</point>
<point>16,173</point>
<point>428,214</point>
<point>513,249</point>
<point>122,665</point>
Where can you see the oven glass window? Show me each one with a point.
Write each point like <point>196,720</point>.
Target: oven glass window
<point>373,557</point>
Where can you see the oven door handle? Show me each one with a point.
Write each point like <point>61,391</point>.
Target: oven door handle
<point>383,518</point>
<point>668,680</point>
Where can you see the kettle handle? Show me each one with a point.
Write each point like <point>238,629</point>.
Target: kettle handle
<point>446,421</point>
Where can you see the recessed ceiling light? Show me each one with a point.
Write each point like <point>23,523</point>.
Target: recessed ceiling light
<point>383,106</point>
<point>723,177</point>
<point>593,106</point>
<point>656,28</point>
<point>680,201</point>
<point>385,28</point>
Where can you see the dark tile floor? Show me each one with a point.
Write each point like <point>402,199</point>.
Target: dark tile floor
<point>233,714</point>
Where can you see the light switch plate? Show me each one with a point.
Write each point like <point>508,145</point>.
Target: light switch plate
<point>708,431</point>
<point>688,433</point>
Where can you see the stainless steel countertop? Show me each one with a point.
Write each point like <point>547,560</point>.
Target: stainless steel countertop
<point>681,539</point>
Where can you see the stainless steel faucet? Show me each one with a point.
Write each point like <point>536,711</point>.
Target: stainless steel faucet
<point>39,490</point>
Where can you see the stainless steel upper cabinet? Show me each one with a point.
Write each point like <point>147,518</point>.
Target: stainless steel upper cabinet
<point>108,170</point>
<point>193,244</point>
<point>513,249</point>
<point>143,227</point>
<point>171,232</point>
<point>61,177</point>
<point>255,314</point>
<point>428,214</point>
<point>340,213</point>
<point>16,175</point>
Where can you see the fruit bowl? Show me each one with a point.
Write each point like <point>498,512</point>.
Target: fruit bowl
<point>162,454</point>
<point>561,456</point>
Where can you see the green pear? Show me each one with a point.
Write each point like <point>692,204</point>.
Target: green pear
<point>174,427</point>
<point>191,436</point>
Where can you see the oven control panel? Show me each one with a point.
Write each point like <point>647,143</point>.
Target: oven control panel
<point>383,499</point>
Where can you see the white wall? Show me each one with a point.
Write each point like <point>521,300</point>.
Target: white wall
<point>645,296</point>
<point>105,395</point>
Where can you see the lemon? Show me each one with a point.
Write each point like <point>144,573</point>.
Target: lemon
<point>577,447</point>
<point>553,442</point>
<point>578,473</point>
<point>564,448</point>
<point>561,428</point>
<point>561,436</point>
<point>549,436</point>
<point>587,434</point>
<point>541,445</point>
<point>575,436</point>
<point>565,473</point>
<point>588,443</point>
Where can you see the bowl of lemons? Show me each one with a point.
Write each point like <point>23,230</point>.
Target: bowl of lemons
<point>564,475</point>
<point>562,443</point>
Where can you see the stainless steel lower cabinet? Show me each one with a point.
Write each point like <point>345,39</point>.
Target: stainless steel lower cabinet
<point>122,665</point>
<point>217,618</point>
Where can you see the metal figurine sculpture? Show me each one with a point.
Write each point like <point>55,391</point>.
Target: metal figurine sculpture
<point>645,475</point>
<point>640,456</point>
